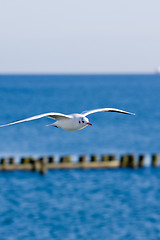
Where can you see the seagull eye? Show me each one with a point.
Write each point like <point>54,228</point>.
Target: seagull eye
<point>82,121</point>
<point>79,121</point>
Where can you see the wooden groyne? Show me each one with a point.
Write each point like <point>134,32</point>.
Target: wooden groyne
<point>84,162</point>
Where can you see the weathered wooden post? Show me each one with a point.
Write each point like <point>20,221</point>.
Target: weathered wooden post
<point>24,160</point>
<point>141,161</point>
<point>36,166</point>
<point>124,161</point>
<point>132,161</point>
<point>27,160</point>
<point>4,161</point>
<point>104,158</point>
<point>155,160</point>
<point>66,159</point>
<point>82,158</point>
<point>50,159</point>
<point>94,158</point>
<point>43,165</point>
<point>11,160</point>
<point>111,158</point>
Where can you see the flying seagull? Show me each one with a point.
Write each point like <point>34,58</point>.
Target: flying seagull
<point>71,122</point>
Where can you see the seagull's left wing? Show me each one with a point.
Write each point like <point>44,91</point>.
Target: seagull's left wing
<point>105,110</point>
<point>56,116</point>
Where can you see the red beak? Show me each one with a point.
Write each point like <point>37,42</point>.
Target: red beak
<point>89,123</point>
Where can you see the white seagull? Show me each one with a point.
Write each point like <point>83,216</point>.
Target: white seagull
<point>71,122</point>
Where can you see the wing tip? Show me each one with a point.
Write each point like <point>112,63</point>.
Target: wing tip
<point>5,125</point>
<point>131,113</point>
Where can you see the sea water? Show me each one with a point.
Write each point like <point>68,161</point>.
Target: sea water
<point>120,204</point>
<point>25,96</point>
<point>80,205</point>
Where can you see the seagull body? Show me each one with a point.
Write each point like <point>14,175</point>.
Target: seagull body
<point>70,122</point>
<point>76,122</point>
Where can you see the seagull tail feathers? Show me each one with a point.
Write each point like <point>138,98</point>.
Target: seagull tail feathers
<point>53,124</point>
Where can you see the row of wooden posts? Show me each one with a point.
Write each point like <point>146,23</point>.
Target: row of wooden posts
<point>84,162</point>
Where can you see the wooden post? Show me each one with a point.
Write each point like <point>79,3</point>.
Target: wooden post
<point>94,158</point>
<point>132,161</point>
<point>26,160</point>
<point>36,166</point>
<point>43,165</point>
<point>82,158</point>
<point>155,160</point>
<point>66,159</point>
<point>4,161</point>
<point>11,161</point>
<point>141,161</point>
<point>50,159</point>
<point>124,161</point>
<point>111,158</point>
<point>104,158</point>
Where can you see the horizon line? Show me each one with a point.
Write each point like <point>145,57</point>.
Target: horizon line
<point>77,73</point>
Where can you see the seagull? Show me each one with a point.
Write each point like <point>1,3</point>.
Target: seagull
<point>71,122</point>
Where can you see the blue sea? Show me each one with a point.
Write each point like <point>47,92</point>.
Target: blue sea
<point>25,96</point>
<point>120,204</point>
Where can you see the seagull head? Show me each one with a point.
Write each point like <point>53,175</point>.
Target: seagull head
<point>84,121</point>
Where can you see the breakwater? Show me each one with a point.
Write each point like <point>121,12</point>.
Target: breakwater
<point>43,164</point>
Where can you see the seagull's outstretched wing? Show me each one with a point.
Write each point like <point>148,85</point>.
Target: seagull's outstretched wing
<point>56,116</point>
<point>105,110</point>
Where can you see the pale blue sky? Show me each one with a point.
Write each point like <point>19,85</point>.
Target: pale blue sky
<point>85,36</point>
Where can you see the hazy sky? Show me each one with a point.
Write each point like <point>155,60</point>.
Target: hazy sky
<point>79,36</point>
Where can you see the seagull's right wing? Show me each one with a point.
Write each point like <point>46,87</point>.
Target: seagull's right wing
<point>56,116</point>
<point>86,113</point>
